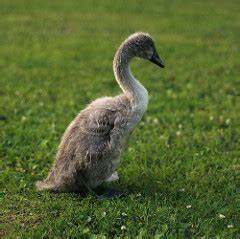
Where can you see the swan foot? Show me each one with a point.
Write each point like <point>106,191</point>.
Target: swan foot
<point>114,177</point>
<point>110,194</point>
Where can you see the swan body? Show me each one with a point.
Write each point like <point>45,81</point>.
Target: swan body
<point>91,147</point>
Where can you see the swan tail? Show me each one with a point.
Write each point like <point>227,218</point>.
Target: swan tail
<point>48,184</point>
<point>45,185</point>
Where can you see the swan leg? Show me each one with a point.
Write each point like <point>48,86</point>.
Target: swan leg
<point>114,177</point>
<point>111,193</point>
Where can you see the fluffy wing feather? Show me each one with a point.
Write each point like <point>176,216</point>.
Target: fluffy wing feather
<point>95,132</point>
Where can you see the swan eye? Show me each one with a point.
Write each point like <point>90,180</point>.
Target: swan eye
<point>149,53</point>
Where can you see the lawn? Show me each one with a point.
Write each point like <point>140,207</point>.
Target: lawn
<point>181,170</point>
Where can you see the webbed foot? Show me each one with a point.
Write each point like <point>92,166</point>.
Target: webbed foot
<point>111,193</point>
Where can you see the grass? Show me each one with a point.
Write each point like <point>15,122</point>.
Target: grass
<point>182,168</point>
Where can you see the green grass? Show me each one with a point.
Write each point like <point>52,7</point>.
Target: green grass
<point>56,56</point>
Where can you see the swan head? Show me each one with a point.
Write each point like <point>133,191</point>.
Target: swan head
<point>142,45</point>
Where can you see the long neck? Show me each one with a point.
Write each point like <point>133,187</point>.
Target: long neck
<point>130,86</point>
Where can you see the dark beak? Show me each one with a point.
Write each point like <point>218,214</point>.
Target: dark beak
<point>157,60</point>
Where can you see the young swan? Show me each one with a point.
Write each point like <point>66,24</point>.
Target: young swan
<point>91,147</point>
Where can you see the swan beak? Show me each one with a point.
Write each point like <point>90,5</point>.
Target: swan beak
<point>157,60</point>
